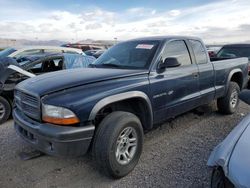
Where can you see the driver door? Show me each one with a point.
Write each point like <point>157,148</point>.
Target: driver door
<point>175,90</point>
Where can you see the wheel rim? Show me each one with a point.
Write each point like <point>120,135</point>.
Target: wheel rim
<point>126,145</point>
<point>2,110</point>
<point>234,99</point>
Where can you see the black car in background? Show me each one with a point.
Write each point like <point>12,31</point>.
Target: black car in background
<point>234,51</point>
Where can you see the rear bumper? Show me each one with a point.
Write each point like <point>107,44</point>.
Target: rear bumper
<point>53,139</point>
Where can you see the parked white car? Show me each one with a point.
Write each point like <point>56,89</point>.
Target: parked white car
<point>16,53</point>
<point>231,158</point>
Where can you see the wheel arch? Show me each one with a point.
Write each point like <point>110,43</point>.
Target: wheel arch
<point>236,75</point>
<point>130,98</point>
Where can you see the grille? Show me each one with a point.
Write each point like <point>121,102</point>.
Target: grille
<point>28,104</point>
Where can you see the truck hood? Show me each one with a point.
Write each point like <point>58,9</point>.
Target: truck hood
<point>60,80</point>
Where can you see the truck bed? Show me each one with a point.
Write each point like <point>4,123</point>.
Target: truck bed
<point>223,68</point>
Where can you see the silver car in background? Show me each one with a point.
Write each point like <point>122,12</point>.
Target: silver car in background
<point>231,158</point>
<point>34,50</point>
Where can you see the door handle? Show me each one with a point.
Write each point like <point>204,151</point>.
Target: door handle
<point>195,74</point>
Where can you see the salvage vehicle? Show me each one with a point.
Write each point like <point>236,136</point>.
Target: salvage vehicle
<point>230,160</point>
<point>36,64</point>
<point>133,86</point>
<point>35,50</point>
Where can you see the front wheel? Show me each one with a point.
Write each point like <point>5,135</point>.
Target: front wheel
<point>229,103</point>
<point>118,143</point>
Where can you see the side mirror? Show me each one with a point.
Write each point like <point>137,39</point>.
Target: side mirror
<point>169,63</point>
<point>245,96</point>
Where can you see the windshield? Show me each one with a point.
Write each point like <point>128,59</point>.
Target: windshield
<point>232,52</point>
<point>6,52</point>
<point>128,55</point>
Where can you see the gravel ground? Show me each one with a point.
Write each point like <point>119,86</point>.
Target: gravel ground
<point>174,155</point>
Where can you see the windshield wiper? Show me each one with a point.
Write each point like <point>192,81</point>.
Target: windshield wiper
<point>108,65</point>
<point>111,65</point>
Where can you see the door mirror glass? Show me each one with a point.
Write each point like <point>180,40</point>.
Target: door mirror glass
<point>171,62</point>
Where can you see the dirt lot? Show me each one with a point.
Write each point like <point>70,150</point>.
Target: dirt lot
<point>174,155</point>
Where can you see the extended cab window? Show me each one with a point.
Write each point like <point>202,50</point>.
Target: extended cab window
<point>177,49</point>
<point>199,51</point>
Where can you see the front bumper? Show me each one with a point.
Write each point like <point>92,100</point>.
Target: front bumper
<point>53,139</point>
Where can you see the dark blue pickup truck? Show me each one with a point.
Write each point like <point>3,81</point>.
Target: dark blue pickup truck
<point>136,84</point>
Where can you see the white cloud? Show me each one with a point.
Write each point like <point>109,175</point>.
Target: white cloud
<point>174,13</point>
<point>223,21</point>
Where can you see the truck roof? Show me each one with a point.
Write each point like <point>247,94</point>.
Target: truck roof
<point>161,38</point>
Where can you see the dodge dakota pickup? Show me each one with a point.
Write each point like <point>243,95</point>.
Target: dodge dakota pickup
<point>105,109</point>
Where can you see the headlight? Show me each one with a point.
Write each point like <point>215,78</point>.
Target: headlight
<point>58,115</point>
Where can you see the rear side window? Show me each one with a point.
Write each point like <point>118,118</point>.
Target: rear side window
<point>177,49</point>
<point>199,52</point>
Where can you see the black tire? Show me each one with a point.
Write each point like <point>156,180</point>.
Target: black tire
<point>5,110</point>
<point>219,180</point>
<point>105,143</point>
<point>224,104</point>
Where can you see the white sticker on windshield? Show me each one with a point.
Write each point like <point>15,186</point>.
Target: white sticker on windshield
<point>145,46</point>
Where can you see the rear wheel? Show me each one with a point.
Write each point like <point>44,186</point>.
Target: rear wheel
<point>5,110</point>
<point>118,143</point>
<point>229,103</point>
<point>219,180</point>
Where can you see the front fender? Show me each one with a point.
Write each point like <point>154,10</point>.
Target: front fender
<point>85,101</point>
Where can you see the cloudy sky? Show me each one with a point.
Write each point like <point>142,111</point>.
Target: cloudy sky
<point>214,21</point>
